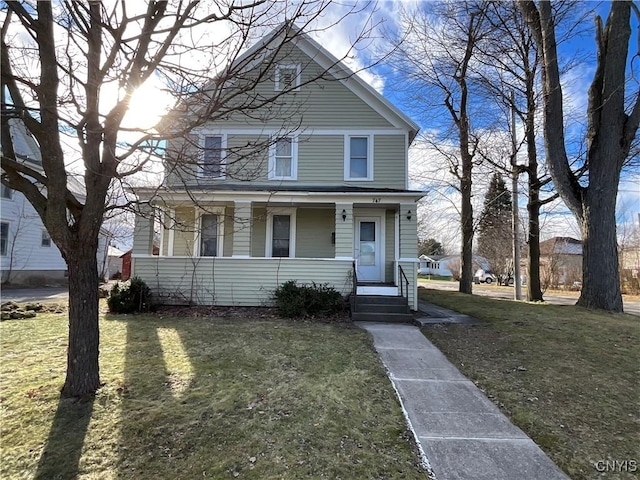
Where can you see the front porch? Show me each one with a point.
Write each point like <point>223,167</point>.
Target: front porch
<point>237,251</point>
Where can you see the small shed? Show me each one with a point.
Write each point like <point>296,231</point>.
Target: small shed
<point>126,262</point>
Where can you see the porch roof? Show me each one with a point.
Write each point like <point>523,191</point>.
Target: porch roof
<point>255,192</point>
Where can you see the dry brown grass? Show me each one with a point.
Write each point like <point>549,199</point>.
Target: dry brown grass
<point>567,376</point>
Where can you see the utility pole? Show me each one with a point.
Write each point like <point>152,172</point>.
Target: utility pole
<point>515,172</point>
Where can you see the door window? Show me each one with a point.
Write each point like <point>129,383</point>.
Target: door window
<point>367,243</point>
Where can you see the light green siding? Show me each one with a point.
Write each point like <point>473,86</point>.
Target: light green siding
<point>227,248</point>
<point>389,161</point>
<point>233,281</point>
<point>183,240</point>
<point>143,233</point>
<point>324,102</point>
<point>258,232</point>
<point>321,159</point>
<point>322,105</point>
<point>247,158</point>
<point>408,233</point>
<point>313,237</point>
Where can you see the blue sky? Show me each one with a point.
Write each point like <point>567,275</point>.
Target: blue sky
<point>576,84</point>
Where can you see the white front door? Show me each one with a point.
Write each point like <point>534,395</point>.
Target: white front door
<point>368,249</point>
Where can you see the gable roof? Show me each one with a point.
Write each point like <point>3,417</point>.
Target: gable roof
<point>24,145</point>
<point>561,246</point>
<point>332,65</point>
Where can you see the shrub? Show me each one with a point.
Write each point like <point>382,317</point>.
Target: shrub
<point>130,297</point>
<point>297,301</point>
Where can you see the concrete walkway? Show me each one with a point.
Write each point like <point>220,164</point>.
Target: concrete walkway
<point>460,432</point>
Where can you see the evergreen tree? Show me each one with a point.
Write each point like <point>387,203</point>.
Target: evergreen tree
<point>494,228</point>
<point>430,246</point>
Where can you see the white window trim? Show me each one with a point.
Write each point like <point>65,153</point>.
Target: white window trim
<point>290,66</point>
<point>6,254</point>
<point>294,157</point>
<point>291,211</point>
<point>347,158</point>
<point>220,230</point>
<point>223,155</point>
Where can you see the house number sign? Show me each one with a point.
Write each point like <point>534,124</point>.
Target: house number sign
<point>376,200</point>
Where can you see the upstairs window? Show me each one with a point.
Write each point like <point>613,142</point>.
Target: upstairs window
<point>214,156</point>
<point>6,192</point>
<point>287,77</point>
<point>358,158</point>
<point>4,238</point>
<point>46,239</point>
<point>283,159</point>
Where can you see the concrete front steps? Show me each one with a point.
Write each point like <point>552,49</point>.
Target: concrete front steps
<point>381,308</point>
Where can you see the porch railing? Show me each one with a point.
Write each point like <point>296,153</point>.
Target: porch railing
<point>404,283</point>
<point>354,291</point>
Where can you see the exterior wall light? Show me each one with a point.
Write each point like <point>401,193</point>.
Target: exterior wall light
<point>409,215</point>
<point>344,215</point>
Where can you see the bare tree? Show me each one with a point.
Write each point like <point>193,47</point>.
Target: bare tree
<point>613,122</point>
<point>72,69</point>
<point>434,53</point>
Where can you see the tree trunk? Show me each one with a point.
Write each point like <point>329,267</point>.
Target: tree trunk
<point>534,290</point>
<point>83,378</point>
<point>466,213</point>
<point>600,273</point>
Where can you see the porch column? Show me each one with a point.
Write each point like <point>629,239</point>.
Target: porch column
<point>242,229</point>
<point>143,231</point>
<point>408,231</point>
<point>408,237</point>
<point>344,231</point>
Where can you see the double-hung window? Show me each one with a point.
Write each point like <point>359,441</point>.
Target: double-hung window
<point>4,238</point>
<point>283,158</point>
<point>358,158</point>
<point>281,228</point>
<point>209,235</point>
<point>6,192</point>
<point>287,77</point>
<point>213,162</point>
<point>46,239</point>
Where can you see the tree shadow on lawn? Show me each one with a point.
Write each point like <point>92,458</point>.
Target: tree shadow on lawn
<point>204,398</point>
<point>60,457</point>
<point>165,429</point>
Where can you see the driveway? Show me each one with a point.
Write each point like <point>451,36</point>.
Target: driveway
<point>495,291</point>
<point>45,294</point>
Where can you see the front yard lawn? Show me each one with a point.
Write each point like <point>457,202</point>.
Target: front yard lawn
<point>189,398</point>
<point>565,375</point>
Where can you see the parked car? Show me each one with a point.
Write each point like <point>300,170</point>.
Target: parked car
<point>484,276</point>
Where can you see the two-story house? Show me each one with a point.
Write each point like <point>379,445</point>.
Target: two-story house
<point>315,190</point>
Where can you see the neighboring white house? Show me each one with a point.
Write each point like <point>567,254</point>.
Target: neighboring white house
<point>27,253</point>
<point>443,265</point>
<point>320,192</point>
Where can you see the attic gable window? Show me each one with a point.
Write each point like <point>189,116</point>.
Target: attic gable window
<point>213,159</point>
<point>287,77</point>
<point>46,239</point>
